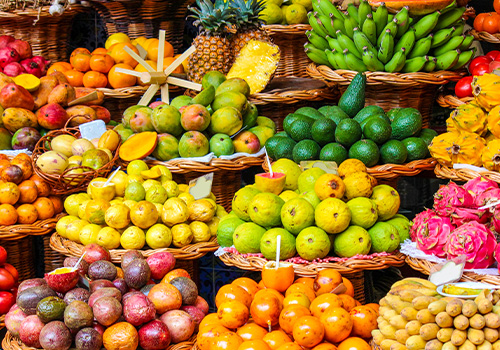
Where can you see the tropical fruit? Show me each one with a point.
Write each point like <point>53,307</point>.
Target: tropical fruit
<point>387,200</point>
<point>247,236</point>
<point>269,244</point>
<point>385,237</point>
<point>353,241</point>
<point>265,209</point>
<point>313,243</point>
<point>241,201</point>
<point>296,215</point>
<point>363,212</point>
<point>332,215</point>
<point>291,170</point>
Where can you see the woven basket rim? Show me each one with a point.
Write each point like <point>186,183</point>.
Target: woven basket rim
<point>296,29</point>
<point>38,228</point>
<point>451,101</point>
<point>133,91</point>
<point>43,11</point>
<point>485,36</point>
<point>445,172</point>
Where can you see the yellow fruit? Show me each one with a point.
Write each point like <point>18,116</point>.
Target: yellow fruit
<point>350,166</point>
<point>186,197</point>
<point>451,148</point>
<point>471,118</point>
<point>159,236</point>
<point>486,91</point>
<point>139,41</point>
<point>329,186</point>
<point>491,156</point>
<point>120,180</point>
<point>332,215</point>
<point>174,212</point>
<point>63,223</point>
<point>201,232</point>
<point>108,238</point>
<point>144,214</point>
<point>171,188</point>
<point>133,238</point>
<point>494,121</point>
<point>358,184</point>
<point>88,234</point>
<point>117,216</point>
<point>213,225</point>
<point>290,169</point>
<point>181,235</point>
<point>201,210</point>
<point>116,38</point>
<point>73,230</point>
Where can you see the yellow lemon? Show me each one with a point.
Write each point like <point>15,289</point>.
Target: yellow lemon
<point>201,232</point>
<point>159,236</point>
<point>133,238</point>
<point>116,38</point>
<point>88,234</point>
<point>181,235</point>
<point>63,223</point>
<point>108,238</point>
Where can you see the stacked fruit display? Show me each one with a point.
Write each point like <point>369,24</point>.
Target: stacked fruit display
<point>8,283</point>
<point>142,206</point>
<point>286,12</point>
<point>24,197</point>
<point>362,40</point>
<point>16,58</point>
<point>351,130</point>
<point>282,312</point>
<point>490,21</point>
<point>220,112</point>
<point>414,316</point>
<point>122,308</point>
<point>457,226</point>
<point>473,129</point>
<point>315,213</point>
<point>478,66</point>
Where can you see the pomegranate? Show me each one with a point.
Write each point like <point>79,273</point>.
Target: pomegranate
<point>13,69</point>
<point>42,62</point>
<point>31,67</point>
<point>5,39</point>
<point>22,47</point>
<point>8,55</point>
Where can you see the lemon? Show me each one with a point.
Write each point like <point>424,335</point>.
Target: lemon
<point>135,167</point>
<point>133,238</point>
<point>88,234</point>
<point>183,188</point>
<point>288,194</point>
<point>171,188</point>
<point>63,223</point>
<point>296,14</point>
<point>108,238</point>
<point>175,211</point>
<point>117,216</point>
<point>74,228</point>
<point>116,38</point>
<point>182,235</point>
<point>186,197</point>
<point>271,14</point>
<point>159,236</point>
<point>213,225</point>
<point>135,178</point>
<point>290,169</point>
<point>201,232</point>
<point>306,3</point>
<point>150,183</point>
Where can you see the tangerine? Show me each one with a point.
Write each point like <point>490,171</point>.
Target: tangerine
<point>232,314</point>
<point>290,314</point>
<point>296,299</point>
<point>308,331</point>
<point>167,61</point>
<point>59,67</point>
<point>257,344</point>
<point>496,6</point>
<point>74,77</point>
<point>278,278</point>
<point>232,292</point>
<point>44,207</point>
<point>374,306</point>
<point>206,335</point>
<point>348,302</point>
<point>261,285</point>
<point>247,284</point>
<point>42,186</point>
<point>226,341</point>
<point>174,274</point>
<point>276,338</point>
<point>100,51</point>
<point>9,193</point>
<point>27,214</point>
<point>80,62</point>
<point>94,80</point>
<point>338,324</point>
<point>268,291</point>
<point>265,311</point>
<point>209,320</point>
<point>152,49</point>
<point>325,346</point>
<point>58,204</point>
<point>120,80</point>
<point>354,343</point>
<point>27,191</point>
<point>326,281</point>
<point>120,336</point>
<point>251,331</point>
<point>349,287</point>
<point>325,302</point>
<point>491,22</point>
<point>8,214</point>
<point>301,288</point>
<point>364,320</point>
<point>308,281</point>
<point>101,62</point>
<point>290,346</point>
<point>80,50</point>
<point>118,53</point>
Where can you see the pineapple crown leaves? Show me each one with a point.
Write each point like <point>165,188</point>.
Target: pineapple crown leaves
<point>214,17</point>
<point>247,12</point>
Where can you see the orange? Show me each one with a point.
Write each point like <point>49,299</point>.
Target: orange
<point>174,274</point>
<point>296,299</point>
<point>9,193</point>
<point>496,6</point>
<point>251,331</point>
<point>120,80</point>
<point>120,336</point>
<point>95,80</point>
<point>348,302</point>
<point>226,341</point>
<point>80,62</point>
<point>290,314</point>
<point>364,320</point>
<point>101,63</point>
<point>232,292</point>
<point>206,335</point>
<point>324,303</point>
<point>326,281</point>
<point>308,331</point>
<point>8,214</point>
<point>75,78</point>
<point>265,311</point>
<point>209,320</point>
<point>290,346</point>
<point>27,214</point>
<point>167,61</point>
<point>374,306</point>
<point>276,338</point>
<point>165,297</point>
<point>117,51</point>
<point>247,284</point>
<point>232,314</point>
<point>301,288</point>
<point>308,281</point>
<point>254,345</point>
<point>58,204</point>
<point>490,23</point>
<point>261,285</point>
<point>42,187</point>
<point>59,67</point>
<point>141,68</point>
<point>354,343</point>
<point>349,287</point>
<point>279,279</point>
<point>152,49</point>
<point>80,50</point>
<point>100,51</point>
<point>44,207</point>
<point>268,291</point>
<point>338,324</point>
<point>28,191</point>
<point>325,346</point>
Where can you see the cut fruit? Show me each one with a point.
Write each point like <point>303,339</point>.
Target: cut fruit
<point>265,182</point>
<point>138,146</point>
<point>417,7</point>
<point>27,81</point>
<point>278,278</point>
<point>63,279</point>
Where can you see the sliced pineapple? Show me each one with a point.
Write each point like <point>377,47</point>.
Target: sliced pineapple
<point>256,64</point>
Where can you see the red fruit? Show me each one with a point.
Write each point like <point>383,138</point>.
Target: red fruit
<point>31,67</point>
<point>42,62</point>
<point>6,302</point>
<point>30,329</point>
<point>34,282</point>
<point>95,252</point>
<point>52,116</point>
<point>493,54</point>
<point>201,304</point>
<point>5,39</point>
<point>481,69</point>
<point>494,65</point>
<point>477,61</point>
<point>160,264</point>
<point>62,279</point>
<point>464,88</point>
<point>8,55</point>
<point>12,270</point>
<point>7,281</point>
<point>22,47</point>
<point>13,69</point>
<point>3,255</point>
<point>154,336</point>
<point>13,320</point>
<point>196,314</point>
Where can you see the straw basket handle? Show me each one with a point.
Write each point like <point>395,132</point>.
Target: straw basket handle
<point>87,98</point>
<point>76,116</point>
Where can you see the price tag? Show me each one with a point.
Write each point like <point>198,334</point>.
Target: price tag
<point>328,167</point>
<point>201,187</point>
<point>92,130</point>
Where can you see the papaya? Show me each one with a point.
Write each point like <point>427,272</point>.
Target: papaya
<point>138,146</point>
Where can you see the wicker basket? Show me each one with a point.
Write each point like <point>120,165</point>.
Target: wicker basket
<point>51,258</point>
<point>38,228</point>
<point>47,34</point>
<point>450,101</point>
<point>444,172</point>
<point>20,255</point>
<point>390,90</point>
<point>189,252</point>
<point>485,36</point>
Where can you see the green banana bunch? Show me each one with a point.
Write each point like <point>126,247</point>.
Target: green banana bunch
<point>347,43</point>
<point>370,29</point>
<point>449,18</point>
<point>392,27</point>
<point>316,25</point>
<point>403,17</point>
<point>363,11</point>
<point>452,44</point>
<point>353,62</point>
<point>447,60</point>
<point>361,41</point>
<point>336,59</point>
<point>458,28</point>
<point>386,47</point>
<point>318,41</point>
<point>464,58</point>
<point>338,25</point>
<point>422,47</point>
<point>407,41</point>
<point>466,43</point>
<point>397,62</point>
<point>328,9</point>
<point>426,24</point>
<point>415,64</point>
<point>380,18</point>
<point>316,55</point>
<point>327,24</point>
<point>353,12</point>
<point>371,61</point>
<point>350,23</point>
<point>441,36</point>
<point>430,65</point>
<point>333,44</point>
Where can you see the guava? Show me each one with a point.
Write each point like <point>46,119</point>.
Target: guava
<point>269,244</point>
<point>311,197</point>
<point>363,212</point>
<point>265,209</point>
<point>290,169</point>
<point>297,214</point>
<point>313,243</point>
<point>332,215</point>
<point>402,224</point>
<point>226,229</point>
<point>385,237</point>
<point>221,144</point>
<point>307,179</point>
<point>353,241</point>
<point>241,200</point>
<point>387,200</point>
<point>246,238</point>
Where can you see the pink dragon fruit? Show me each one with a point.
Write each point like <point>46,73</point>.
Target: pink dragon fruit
<point>5,39</point>
<point>497,256</point>
<point>31,67</point>
<point>451,196</point>
<point>42,62</point>
<point>13,69</point>
<point>22,47</point>
<point>475,241</point>
<point>460,216</point>
<point>487,197</point>
<point>495,219</point>
<point>430,231</point>
<point>479,185</point>
<point>8,55</point>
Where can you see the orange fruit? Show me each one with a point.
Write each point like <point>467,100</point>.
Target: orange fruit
<point>374,306</point>
<point>268,291</point>
<point>279,279</point>
<point>290,346</point>
<point>59,67</point>
<point>120,336</point>
<point>308,331</point>
<point>324,302</point>
<point>152,49</point>
<point>42,186</point>
<point>28,191</point>
<point>349,287</point>
<point>79,50</point>
<point>247,284</point>
<point>276,338</point>
<point>308,281</point>
<point>118,53</point>
<point>8,214</point>
<point>261,285</point>
<point>325,346</point>
<point>251,331</point>
<point>290,314</point>
<point>490,23</point>
<point>120,80</point>
<point>58,204</point>
<point>496,6</point>
<point>75,78</point>
<point>226,341</point>
<point>209,320</point>
<point>232,292</point>
<point>354,343</point>
<point>44,207</point>
<point>348,302</point>
<point>9,193</point>
<point>100,51</point>
<point>27,214</point>
<point>326,281</point>
<point>338,324</point>
<point>95,80</point>
<point>101,63</point>
<point>301,288</point>
<point>265,311</point>
<point>174,274</point>
<point>81,62</point>
<point>296,299</point>
<point>167,61</point>
<point>257,344</point>
<point>232,314</point>
<point>165,297</point>
<point>206,335</point>
<point>142,69</point>
<point>364,320</point>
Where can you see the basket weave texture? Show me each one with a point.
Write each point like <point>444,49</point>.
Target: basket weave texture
<point>450,101</point>
<point>38,228</point>
<point>52,259</point>
<point>444,172</point>
<point>21,256</point>
<point>485,36</point>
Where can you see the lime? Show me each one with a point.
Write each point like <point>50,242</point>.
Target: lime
<point>313,243</point>
<point>269,244</point>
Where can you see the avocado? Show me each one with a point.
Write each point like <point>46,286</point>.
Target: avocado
<point>334,113</point>
<point>376,116</point>
<point>50,309</point>
<point>289,119</point>
<point>377,130</point>
<point>310,112</point>
<point>365,151</point>
<point>306,150</point>
<point>353,98</point>
<point>333,152</point>
<point>427,135</point>
<point>367,112</point>
<point>416,147</point>
<point>284,148</point>
<point>301,128</point>
<point>271,144</point>
<point>323,131</point>
<point>392,113</point>
<point>29,298</point>
<point>348,132</point>
<point>393,152</point>
<point>407,123</point>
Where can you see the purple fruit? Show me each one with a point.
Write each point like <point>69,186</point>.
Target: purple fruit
<point>25,138</point>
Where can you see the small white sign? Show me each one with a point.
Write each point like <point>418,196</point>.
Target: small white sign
<point>201,187</point>
<point>92,130</point>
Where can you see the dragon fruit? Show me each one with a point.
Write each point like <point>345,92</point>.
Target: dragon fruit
<point>430,231</point>
<point>451,196</point>
<point>42,62</point>
<point>5,39</point>
<point>460,216</point>
<point>8,55</point>
<point>497,256</point>
<point>489,196</point>
<point>31,67</point>
<point>479,185</point>
<point>22,47</point>
<point>13,69</point>
<point>495,219</point>
<point>475,241</point>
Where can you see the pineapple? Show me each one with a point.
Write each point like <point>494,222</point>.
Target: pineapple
<point>249,25</point>
<point>213,45</point>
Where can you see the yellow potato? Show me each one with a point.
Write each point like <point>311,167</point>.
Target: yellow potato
<point>448,346</point>
<point>398,322</point>
<point>387,343</point>
<point>398,346</point>
<point>469,308</point>
<point>467,345</point>
<point>484,306</point>
<point>422,302</point>
<point>492,320</point>
<point>378,337</point>
<point>402,335</point>
<point>496,345</point>
<point>486,345</point>
<point>388,331</point>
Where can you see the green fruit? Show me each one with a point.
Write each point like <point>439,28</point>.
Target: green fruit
<point>300,129</point>
<point>135,191</point>
<point>265,121</point>
<point>226,229</point>
<point>385,237</point>
<point>263,133</point>
<point>353,98</point>
<point>271,144</point>
<point>365,151</point>
<point>416,147</point>
<point>289,119</point>
<point>50,309</point>
<point>193,144</point>
<point>312,243</point>
<point>265,209</point>
<point>156,194</point>
<point>393,113</point>
<point>377,130</point>
<point>297,214</point>
<point>332,215</point>
<point>305,150</point>
<point>333,152</point>
<point>363,212</point>
<point>353,241</point>
<point>307,179</point>
<point>241,200</point>
<point>348,132</point>
<point>284,149</point>
<point>221,144</point>
<point>387,200</point>
<point>167,147</point>
<point>427,135</point>
<point>323,131</point>
<point>167,119</point>
<point>291,170</point>
<point>367,112</point>
<point>269,244</point>
<point>234,85</point>
<point>311,197</point>
<point>251,117</point>
<point>402,224</point>
<point>334,113</point>
<point>181,101</point>
<point>230,99</point>
<point>213,78</point>
<point>246,238</point>
<point>393,152</point>
<point>408,122</point>
<point>310,112</point>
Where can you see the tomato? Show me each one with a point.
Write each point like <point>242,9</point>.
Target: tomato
<point>463,87</point>
<point>478,21</point>
<point>493,54</point>
<point>481,69</point>
<point>6,302</point>
<point>3,255</point>
<point>491,22</point>
<point>496,6</point>
<point>494,65</point>
<point>12,270</point>
<point>7,281</point>
<point>477,61</point>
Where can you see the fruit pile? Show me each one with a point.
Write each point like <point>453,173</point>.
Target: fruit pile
<point>286,12</point>
<point>414,316</point>
<point>456,226</point>
<point>8,283</point>
<point>350,130</point>
<point>24,197</point>
<point>142,206</point>
<point>473,129</point>
<point>362,40</point>
<point>16,58</point>
<point>478,66</point>
<point>97,304</point>
<point>490,21</point>
<point>284,313</point>
<point>315,213</point>
<point>221,109</point>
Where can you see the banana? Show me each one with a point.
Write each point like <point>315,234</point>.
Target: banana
<point>349,25</point>
<point>386,47</point>
<point>347,43</point>
<point>458,28</point>
<point>452,44</point>
<point>317,40</point>
<point>465,45</point>
<point>316,55</point>
<point>334,44</point>
<point>392,26</point>
<point>426,24</point>
<point>338,25</point>
<point>380,17</point>
<point>353,62</point>
<point>353,12</point>
<point>327,24</point>
<point>371,61</point>
<point>403,18</point>
<point>363,11</point>
<point>317,8</point>
<point>430,66</point>
<point>390,17</point>
<point>361,41</point>
<point>447,60</point>
<point>370,29</point>
<point>331,59</point>
<point>451,6</point>
<point>421,47</point>
<point>315,24</point>
<point>441,36</point>
<point>336,59</point>
<point>415,64</point>
<point>464,58</point>
<point>407,41</point>
<point>450,17</point>
<point>329,9</point>
<point>397,62</point>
